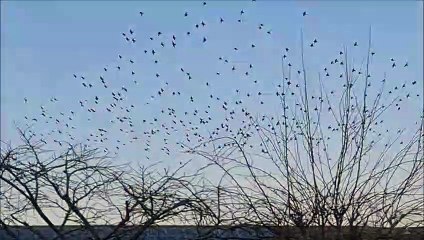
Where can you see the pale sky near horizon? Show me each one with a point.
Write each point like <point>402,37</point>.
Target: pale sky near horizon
<point>43,43</point>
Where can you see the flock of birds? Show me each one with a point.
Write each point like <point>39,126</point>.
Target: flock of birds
<point>172,118</point>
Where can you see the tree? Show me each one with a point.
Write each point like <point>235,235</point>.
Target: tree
<point>81,192</point>
<point>325,159</point>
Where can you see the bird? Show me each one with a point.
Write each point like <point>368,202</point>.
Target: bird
<point>141,13</point>
<point>355,44</point>
<point>304,13</point>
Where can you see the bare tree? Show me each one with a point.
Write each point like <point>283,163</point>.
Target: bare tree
<point>79,193</point>
<point>326,160</point>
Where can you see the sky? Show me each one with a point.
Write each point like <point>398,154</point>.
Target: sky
<point>43,43</point>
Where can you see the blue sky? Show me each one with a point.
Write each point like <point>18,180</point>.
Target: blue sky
<point>43,43</point>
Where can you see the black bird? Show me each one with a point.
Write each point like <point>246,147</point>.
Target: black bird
<point>304,13</point>
<point>159,33</point>
<point>75,76</point>
<point>221,20</point>
<point>204,39</point>
<point>204,3</point>
<point>185,14</point>
<point>355,44</point>
<point>141,13</point>
<point>406,64</point>
<point>131,31</point>
<point>241,12</point>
